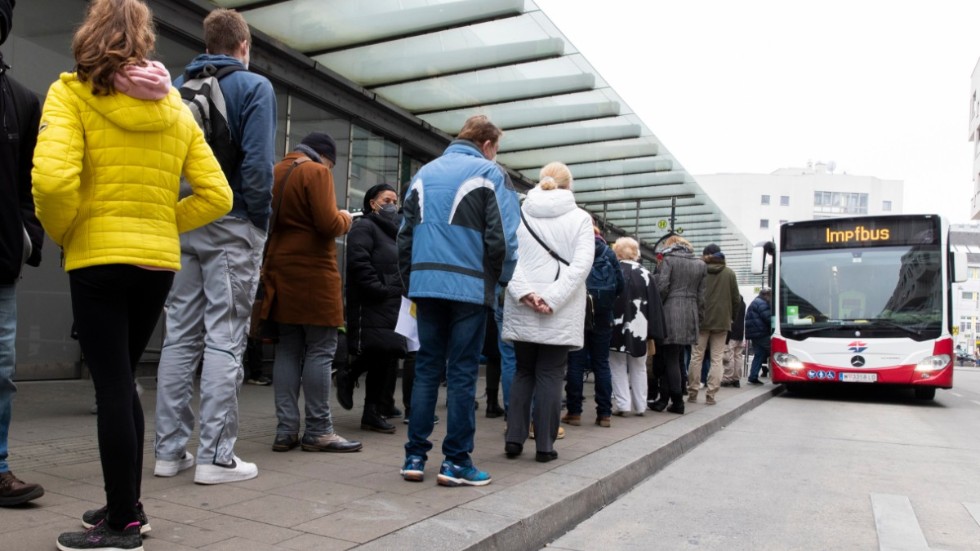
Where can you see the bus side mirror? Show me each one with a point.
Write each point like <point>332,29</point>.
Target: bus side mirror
<point>759,253</point>
<point>959,267</point>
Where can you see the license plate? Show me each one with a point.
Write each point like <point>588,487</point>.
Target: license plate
<point>859,377</point>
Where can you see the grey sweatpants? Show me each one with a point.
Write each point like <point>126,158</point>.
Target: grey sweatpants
<point>207,316</point>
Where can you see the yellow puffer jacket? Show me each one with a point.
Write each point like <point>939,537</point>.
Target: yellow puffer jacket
<point>107,176</point>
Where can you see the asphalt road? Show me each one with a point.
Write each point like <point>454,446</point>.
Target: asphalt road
<point>857,468</point>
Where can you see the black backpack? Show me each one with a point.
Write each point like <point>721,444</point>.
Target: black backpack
<point>201,93</point>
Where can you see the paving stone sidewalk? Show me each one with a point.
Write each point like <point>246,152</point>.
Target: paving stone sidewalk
<point>324,501</point>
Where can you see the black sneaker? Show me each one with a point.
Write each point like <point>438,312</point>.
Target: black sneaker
<point>755,382</point>
<point>391,412</point>
<point>435,419</point>
<point>93,517</point>
<point>101,536</point>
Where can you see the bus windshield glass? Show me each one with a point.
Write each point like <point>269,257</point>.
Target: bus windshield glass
<point>877,291</point>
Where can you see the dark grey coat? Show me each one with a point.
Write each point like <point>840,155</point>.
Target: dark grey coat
<point>680,279</point>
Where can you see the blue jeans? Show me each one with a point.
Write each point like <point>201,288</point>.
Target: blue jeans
<point>8,334</point>
<point>304,358</point>
<point>508,359</point>
<point>450,338</point>
<point>595,354</point>
<point>760,351</point>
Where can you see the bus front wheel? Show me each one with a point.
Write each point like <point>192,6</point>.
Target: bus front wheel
<point>925,393</point>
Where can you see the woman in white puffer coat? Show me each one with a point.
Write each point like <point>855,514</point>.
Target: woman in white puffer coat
<point>544,309</point>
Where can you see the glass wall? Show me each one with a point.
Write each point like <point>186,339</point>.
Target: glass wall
<point>38,49</point>
<point>374,160</point>
<point>305,117</point>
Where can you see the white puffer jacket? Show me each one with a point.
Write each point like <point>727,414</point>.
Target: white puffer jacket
<point>567,230</point>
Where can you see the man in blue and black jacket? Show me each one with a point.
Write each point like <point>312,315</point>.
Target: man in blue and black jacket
<point>456,246</point>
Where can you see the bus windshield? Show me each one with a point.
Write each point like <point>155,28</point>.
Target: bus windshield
<point>891,291</point>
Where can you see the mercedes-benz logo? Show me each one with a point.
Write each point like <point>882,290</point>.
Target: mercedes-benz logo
<point>857,361</point>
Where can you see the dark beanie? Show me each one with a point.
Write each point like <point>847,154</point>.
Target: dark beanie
<point>322,143</point>
<point>376,190</point>
<point>6,18</point>
<point>711,250</point>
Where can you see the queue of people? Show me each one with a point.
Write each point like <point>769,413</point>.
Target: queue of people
<point>197,235</point>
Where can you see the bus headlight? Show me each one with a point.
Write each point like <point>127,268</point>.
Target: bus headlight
<point>933,363</point>
<point>787,361</point>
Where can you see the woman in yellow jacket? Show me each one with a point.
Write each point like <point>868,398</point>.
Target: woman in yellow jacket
<point>114,140</point>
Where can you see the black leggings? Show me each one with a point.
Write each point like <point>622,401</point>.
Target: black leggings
<point>116,307</point>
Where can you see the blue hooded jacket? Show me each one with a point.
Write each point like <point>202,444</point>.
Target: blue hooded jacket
<point>458,238</point>
<point>251,104</point>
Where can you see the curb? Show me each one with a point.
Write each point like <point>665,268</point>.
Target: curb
<point>536,512</point>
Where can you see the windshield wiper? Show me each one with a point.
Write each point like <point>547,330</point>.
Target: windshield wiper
<point>889,323</point>
<point>800,330</point>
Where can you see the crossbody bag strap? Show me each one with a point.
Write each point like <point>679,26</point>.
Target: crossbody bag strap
<point>275,209</point>
<point>544,245</point>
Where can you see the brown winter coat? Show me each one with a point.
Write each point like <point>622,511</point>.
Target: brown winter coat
<point>300,275</point>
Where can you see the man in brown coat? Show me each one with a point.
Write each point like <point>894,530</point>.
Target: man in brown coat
<point>721,302</point>
<point>303,293</point>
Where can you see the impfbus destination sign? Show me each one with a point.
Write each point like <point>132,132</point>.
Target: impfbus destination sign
<point>867,231</point>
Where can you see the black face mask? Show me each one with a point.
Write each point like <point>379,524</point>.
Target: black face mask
<point>389,212</point>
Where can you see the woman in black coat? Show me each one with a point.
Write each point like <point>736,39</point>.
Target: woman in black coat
<point>374,291</point>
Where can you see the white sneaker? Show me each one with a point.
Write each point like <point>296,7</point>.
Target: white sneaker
<point>168,468</point>
<point>219,474</point>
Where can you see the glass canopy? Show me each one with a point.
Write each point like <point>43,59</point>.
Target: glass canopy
<point>445,60</point>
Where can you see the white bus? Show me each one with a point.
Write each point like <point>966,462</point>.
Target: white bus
<point>864,300</point>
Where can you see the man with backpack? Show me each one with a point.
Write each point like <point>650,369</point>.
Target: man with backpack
<point>210,303</point>
<point>604,283</point>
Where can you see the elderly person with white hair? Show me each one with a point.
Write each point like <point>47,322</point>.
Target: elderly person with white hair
<point>638,319</point>
<point>544,310</point>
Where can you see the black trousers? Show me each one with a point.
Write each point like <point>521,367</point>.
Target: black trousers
<point>116,308</point>
<point>670,380</point>
<point>380,382</point>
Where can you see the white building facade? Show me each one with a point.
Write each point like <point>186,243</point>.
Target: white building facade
<point>966,295</point>
<point>758,203</point>
<point>975,138</point>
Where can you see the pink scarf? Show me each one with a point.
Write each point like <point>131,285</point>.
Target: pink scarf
<point>149,81</point>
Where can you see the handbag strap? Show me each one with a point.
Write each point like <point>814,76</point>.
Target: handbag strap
<point>546,247</point>
<point>541,242</point>
<point>275,209</point>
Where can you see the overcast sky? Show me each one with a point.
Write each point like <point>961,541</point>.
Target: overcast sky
<point>882,88</point>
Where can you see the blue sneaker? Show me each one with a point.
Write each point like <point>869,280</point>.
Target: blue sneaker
<point>414,469</point>
<point>451,474</point>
